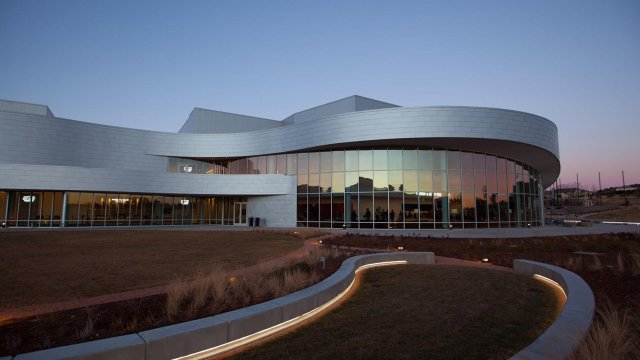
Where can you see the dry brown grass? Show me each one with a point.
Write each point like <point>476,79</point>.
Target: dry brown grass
<point>217,291</point>
<point>45,267</point>
<point>630,213</point>
<point>611,337</point>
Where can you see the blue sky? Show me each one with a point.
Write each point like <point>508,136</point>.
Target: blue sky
<point>147,64</point>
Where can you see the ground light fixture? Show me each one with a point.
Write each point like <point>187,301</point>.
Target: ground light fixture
<point>485,260</point>
<point>319,241</point>
<point>276,328</point>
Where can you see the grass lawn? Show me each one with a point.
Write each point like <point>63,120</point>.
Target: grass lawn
<point>429,312</point>
<point>44,267</point>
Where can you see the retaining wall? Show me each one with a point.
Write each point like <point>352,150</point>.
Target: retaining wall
<point>188,338</point>
<point>563,337</point>
<point>196,338</point>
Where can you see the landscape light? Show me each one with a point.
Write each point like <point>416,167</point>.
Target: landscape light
<point>550,282</point>
<point>283,325</point>
<point>485,260</point>
<point>319,241</point>
<point>400,247</point>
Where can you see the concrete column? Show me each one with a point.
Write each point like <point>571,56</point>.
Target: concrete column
<point>63,220</point>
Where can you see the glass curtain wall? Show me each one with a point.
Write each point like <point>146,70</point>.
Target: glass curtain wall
<point>44,209</point>
<point>414,189</point>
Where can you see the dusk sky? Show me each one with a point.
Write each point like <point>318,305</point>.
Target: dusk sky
<point>147,64</point>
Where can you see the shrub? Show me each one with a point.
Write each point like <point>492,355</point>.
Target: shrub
<point>611,337</point>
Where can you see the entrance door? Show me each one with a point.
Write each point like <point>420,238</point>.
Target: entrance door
<point>240,213</point>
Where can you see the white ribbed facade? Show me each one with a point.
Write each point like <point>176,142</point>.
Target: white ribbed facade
<point>121,167</point>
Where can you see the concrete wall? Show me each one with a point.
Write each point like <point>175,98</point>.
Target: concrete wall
<point>204,334</point>
<point>564,336</point>
<point>212,335</point>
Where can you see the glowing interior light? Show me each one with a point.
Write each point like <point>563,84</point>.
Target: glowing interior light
<point>29,198</point>
<point>550,282</point>
<point>276,328</point>
<point>187,169</point>
<point>400,247</point>
<point>184,201</point>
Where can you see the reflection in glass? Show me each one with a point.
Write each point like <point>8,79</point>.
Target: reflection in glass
<point>425,159</point>
<point>303,163</point>
<point>292,164</point>
<point>395,180</point>
<point>439,160</point>
<point>395,159</point>
<point>410,159</point>
<point>86,209</point>
<point>302,208</point>
<point>366,181</point>
<point>303,183</point>
<point>351,181</point>
<point>410,178</point>
<point>351,209</point>
<point>337,160</point>
<point>337,211</point>
<point>469,209</point>
<point>366,160</point>
<point>380,159</point>
<point>351,160</point>
<point>366,210</point>
<point>467,180</point>
<point>325,161</point>
<point>313,207</point>
<point>425,181</point>
<point>380,181</point>
<point>325,182</point>
<point>325,207</point>
<point>281,164</point>
<point>314,183</point>
<point>271,164</point>
<point>455,207</point>
<point>396,219</point>
<point>479,162</point>
<point>411,210</point>
<point>99,209</point>
<point>337,182</point>
<point>466,161</point>
<point>381,208</point>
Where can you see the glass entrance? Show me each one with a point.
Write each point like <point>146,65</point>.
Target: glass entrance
<point>240,213</point>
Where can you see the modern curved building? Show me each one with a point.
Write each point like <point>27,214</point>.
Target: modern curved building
<point>354,162</point>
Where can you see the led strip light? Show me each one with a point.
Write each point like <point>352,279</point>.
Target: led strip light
<point>550,282</point>
<point>279,327</point>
